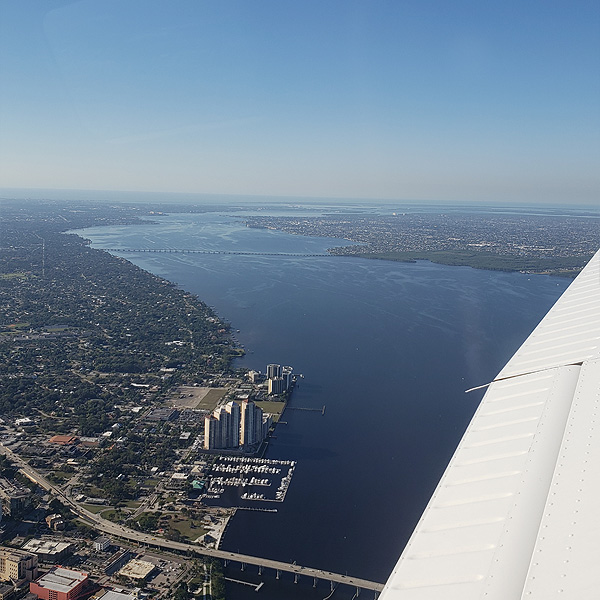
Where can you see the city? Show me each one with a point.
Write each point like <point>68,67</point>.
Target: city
<point>148,434</point>
<point>511,242</point>
<point>179,502</point>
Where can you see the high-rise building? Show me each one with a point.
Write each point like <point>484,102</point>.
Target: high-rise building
<point>17,564</point>
<point>232,438</point>
<point>222,428</point>
<point>286,373</point>
<point>273,371</point>
<point>212,433</point>
<point>267,421</point>
<point>279,379</point>
<point>276,385</point>
<point>251,430</point>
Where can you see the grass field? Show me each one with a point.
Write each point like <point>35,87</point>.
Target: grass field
<point>184,526</point>
<point>14,328</point>
<point>273,408</point>
<point>210,401</point>
<point>95,508</point>
<point>111,514</point>
<point>63,475</point>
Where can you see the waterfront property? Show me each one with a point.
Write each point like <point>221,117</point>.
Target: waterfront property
<point>232,426</point>
<point>234,479</point>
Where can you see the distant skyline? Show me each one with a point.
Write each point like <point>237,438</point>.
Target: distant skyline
<point>431,100</point>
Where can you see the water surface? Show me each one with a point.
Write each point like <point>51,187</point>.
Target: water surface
<point>389,348</point>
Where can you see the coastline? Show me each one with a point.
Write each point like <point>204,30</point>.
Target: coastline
<point>483,260</point>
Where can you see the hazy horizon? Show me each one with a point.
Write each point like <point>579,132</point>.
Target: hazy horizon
<point>156,197</point>
<point>425,100</point>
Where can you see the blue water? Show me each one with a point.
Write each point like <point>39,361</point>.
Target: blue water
<point>389,348</point>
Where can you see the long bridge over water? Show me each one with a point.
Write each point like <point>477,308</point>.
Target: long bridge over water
<point>119,531</point>
<point>192,251</point>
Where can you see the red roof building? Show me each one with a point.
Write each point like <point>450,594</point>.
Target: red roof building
<point>60,584</point>
<point>64,440</point>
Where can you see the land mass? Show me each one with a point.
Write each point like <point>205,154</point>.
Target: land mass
<point>527,243</point>
<point>107,371</point>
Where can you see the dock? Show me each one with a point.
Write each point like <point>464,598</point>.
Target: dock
<point>321,410</point>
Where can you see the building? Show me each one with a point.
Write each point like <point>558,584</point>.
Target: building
<point>222,428</point>
<point>64,440</point>
<point>276,385</point>
<point>17,564</point>
<point>15,499</point>
<point>207,539</point>
<point>55,522</point>
<point>211,432</point>
<point>267,421</point>
<point>116,561</point>
<point>7,591</point>
<point>163,414</point>
<point>251,424</point>
<point>178,481</point>
<point>273,371</point>
<point>280,379</point>
<point>101,544</point>
<point>60,584</point>
<point>116,595</point>
<point>49,551</point>
<point>254,376</point>
<point>89,442</point>
<point>286,373</point>
<point>137,570</point>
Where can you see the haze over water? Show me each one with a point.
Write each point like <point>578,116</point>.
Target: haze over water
<point>389,348</point>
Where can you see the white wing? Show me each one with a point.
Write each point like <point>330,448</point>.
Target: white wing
<point>517,512</point>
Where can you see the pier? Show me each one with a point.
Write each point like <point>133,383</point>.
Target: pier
<point>256,587</point>
<point>321,410</point>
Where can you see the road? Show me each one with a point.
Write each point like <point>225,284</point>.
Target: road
<point>117,530</point>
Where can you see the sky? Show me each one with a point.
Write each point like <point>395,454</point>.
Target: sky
<point>441,100</point>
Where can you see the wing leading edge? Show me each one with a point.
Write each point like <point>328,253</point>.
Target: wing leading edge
<point>515,513</point>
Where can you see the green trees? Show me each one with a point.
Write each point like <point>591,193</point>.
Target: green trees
<point>77,324</point>
<point>182,592</point>
<point>148,521</point>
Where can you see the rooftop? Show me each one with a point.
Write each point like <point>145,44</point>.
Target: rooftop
<point>112,595</point>
<point>46,546</point>
<point>60,579</point>
<point>63,440</point>
<point>137,569</point>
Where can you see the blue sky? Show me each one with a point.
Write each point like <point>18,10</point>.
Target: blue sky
<point>437,100</point>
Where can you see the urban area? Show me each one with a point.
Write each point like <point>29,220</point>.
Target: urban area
<point>218,435</point>
<point>128,439</point>
<point>532,243</point>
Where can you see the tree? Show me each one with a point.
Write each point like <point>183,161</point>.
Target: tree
<point>182,592</point>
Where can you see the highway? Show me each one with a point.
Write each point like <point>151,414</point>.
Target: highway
<point>117,530</point>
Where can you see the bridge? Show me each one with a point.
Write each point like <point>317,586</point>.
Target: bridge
<point>119,531</point>
<point>191,251</point>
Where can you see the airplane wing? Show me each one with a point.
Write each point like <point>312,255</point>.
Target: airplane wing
<point>516,514</point>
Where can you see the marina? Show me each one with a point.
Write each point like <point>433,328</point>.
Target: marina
<point>233,479</point>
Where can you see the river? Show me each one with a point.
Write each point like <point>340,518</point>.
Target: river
<point>389,348</point>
